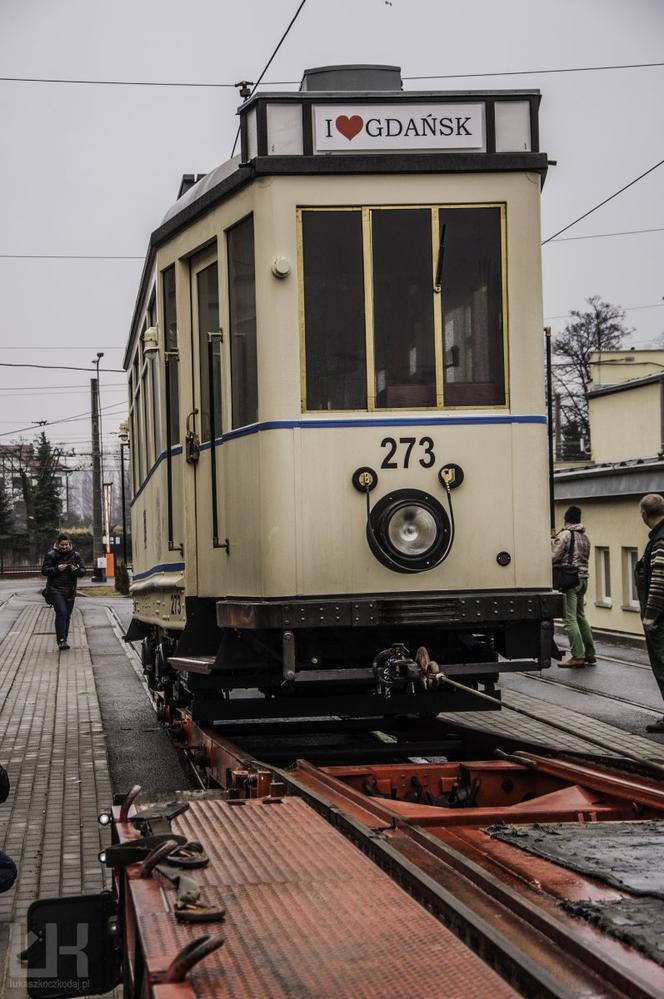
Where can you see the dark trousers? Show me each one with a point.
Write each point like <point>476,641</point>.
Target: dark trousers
<point>655,646</point>
<point>63,605</point>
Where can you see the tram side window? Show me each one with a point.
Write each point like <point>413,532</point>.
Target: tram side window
<point>405,365</point>
<point>242,307</point>
<point>172,372</point>
<point>335,342</point>
<point>154,379</point>
<point>471,281</point>
<point>209,351</point>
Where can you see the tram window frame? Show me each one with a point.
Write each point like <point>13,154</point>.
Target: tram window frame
<point>171,357</point>
<point>243,330</point>
<point>153,361</point>
<point>209,352</point>
<point>473,394</point>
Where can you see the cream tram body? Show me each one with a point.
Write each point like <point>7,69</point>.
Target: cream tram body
<point>250,416</point>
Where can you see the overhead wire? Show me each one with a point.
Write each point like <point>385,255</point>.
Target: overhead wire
<point>604,202</point>
<point>193,84</point>
<point>625,308</point>
<point>58,367</point>
<point>603,235</point>
<point>37,427</point>
<point>269,63</point>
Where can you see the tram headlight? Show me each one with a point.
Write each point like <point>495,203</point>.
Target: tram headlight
<point>408,531</point>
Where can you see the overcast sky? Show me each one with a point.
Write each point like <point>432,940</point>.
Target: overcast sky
<point>91,170</point>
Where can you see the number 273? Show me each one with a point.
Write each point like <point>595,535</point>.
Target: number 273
<point>426,460</point>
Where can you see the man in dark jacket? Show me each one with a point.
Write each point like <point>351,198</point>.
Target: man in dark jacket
<point>62,567</point>
<point>649,578</point>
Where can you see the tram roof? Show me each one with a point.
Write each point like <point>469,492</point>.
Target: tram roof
<point>233,174</point>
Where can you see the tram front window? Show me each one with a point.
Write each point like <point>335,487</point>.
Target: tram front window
<point>334,310</point>
<point>472,301</point>
<point>403,307</point>
<point>405,367</point>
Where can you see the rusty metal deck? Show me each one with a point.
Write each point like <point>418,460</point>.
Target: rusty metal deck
<point>306,915</point>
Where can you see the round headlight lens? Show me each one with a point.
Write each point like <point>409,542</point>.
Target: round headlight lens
<point>412,530</point>
<point>409,531</point>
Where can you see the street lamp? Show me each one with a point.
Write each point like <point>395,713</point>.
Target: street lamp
<point>124,443</point>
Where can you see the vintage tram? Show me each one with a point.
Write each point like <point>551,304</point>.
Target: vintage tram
<point>338,430</point>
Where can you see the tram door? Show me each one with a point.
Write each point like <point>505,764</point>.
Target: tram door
<point>207,421</point>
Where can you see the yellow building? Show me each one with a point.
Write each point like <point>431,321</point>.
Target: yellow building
<point>626,412</point>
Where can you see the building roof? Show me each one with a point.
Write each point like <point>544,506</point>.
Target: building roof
<point>625,386</point>
<point>611,480</point>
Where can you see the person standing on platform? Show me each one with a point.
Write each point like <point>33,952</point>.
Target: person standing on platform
<point>571,547</point>
<point>649,580</point>
<point>63,567</point>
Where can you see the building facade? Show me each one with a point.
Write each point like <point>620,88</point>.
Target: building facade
<point>626,411</point>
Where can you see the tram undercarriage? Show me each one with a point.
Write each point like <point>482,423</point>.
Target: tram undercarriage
<point>367,656</point>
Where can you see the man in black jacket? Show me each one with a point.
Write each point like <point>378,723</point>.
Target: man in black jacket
<point>649,577</point>
<point>62,567</point>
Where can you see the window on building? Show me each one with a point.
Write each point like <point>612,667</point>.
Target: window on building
<point>630,596</point>
<point>171,346</point>
<point>603,577</point>
<point>242,307</point>
<point>403,307</point>
<point>209,349</point>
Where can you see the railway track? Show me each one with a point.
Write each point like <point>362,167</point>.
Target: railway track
<point>502,904</point>
<point>595,693</point>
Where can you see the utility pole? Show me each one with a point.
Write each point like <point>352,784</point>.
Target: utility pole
<point>97,548</point>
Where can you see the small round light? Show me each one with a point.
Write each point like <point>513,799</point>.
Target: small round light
<point>412,530</point>
<point>102,857</point>
<point>105,819</point>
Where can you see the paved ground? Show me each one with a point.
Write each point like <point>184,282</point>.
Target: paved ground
<point>77,727</point>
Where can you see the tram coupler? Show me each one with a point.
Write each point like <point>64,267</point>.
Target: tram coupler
<point>394,669</point>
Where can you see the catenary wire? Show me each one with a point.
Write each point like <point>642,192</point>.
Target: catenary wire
<point>626,308</point>
<point>294,83</point>
<point>58,367</point>
<point>269,63</point>
<point>603,235</point>
<point>604,202</point>
<point>83,256</point>
<point>66,419</point>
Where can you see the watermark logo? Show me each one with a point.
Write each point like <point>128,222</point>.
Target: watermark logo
<point>58,958</point>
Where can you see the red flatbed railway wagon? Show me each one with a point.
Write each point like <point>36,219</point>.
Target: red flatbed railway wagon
<point>317,881</point>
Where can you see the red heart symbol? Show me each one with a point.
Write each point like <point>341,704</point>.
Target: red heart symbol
<point>349,127</point>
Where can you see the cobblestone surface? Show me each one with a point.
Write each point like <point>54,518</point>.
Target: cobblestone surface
<point>52,745</point>
<point>515,726</point>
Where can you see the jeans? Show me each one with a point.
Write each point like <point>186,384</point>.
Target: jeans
<point>576,624</point>
<point>655,647</point>
<point>63,605</point>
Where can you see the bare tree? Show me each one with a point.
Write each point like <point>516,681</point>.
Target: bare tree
<point>600,327</point>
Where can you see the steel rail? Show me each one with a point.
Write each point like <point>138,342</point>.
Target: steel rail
<point>496,946</point>
<point>594,693</point>
<point>657,768</point>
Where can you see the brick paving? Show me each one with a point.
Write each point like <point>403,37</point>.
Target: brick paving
<point>52,745</point>
<point>509,724</point>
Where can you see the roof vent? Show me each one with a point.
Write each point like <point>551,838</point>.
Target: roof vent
<point>188,181</point>
<point>361,78</point>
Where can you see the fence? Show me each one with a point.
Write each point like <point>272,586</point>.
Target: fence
<point>9,571</point>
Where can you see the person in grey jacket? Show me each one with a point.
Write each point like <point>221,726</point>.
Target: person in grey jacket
<point>62,567</point>
<point>571,546</point>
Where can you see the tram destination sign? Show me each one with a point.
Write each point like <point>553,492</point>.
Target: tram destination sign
<point>366,128</point>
